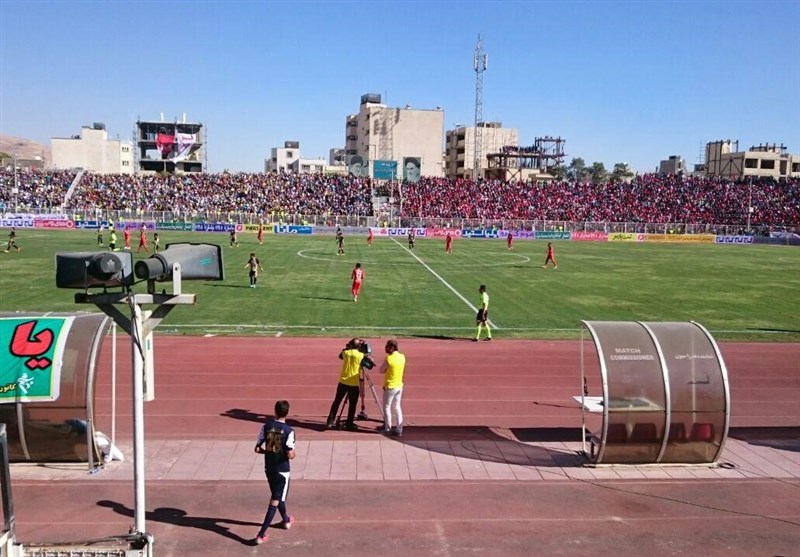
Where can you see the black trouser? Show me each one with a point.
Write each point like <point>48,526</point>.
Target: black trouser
<point>352,393</point>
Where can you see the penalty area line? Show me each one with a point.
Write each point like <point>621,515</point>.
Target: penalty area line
<point>447,284</point>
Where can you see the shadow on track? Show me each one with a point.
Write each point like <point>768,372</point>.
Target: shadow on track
<point>178,517</point>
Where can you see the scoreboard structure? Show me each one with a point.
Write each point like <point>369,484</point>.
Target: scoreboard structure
<point>177,147</point>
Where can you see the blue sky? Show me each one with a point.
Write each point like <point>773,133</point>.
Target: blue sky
<point>626,82</point>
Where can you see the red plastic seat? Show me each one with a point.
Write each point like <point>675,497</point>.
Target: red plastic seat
<point>702,432</point>
<point>617,433</point>
<point>677,433</point>
<point>644,433</point>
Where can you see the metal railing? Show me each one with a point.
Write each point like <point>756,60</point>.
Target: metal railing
<point>384,219</point>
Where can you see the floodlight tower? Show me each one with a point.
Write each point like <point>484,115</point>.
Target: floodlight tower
<point>480,63</point>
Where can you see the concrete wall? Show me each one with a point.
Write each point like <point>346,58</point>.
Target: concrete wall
<point>93,151</point>
<point>379,132</point>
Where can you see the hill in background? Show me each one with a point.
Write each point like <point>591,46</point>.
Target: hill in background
<point>24,148</point>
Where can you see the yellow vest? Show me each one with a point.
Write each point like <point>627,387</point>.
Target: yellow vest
<point>396,365</point>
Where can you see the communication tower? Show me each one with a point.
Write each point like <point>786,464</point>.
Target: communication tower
<point>480,63</point>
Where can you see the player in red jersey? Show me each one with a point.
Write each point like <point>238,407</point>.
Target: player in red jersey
<point>260,233</point>
<point>358,278</point>
<point>510,241</point>
<point>550,257</point>
<point>143,240</point>
<point>126,234</point>
<point>369,237</point>
<point>448,244</point>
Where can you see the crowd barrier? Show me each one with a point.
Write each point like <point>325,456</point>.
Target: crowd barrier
<point>63,222</point>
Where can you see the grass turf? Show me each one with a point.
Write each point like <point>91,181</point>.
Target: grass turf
<point>737,292</point>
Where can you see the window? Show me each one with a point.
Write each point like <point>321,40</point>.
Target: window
<point>767,164</point>
<point>289,154</point>
<point>126,163</point>
<point>751,163</point>
<point>796,167</point>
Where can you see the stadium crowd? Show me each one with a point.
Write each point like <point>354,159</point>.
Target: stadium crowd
<point>199,194</point>
<point>36,189</point>
<point>648,198</point>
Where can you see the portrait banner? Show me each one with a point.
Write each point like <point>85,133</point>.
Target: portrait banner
<point>412,169</point>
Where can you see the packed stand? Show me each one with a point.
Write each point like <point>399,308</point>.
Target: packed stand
<point>648,198</point>
<point>37,189</point>
<point>203,194</point>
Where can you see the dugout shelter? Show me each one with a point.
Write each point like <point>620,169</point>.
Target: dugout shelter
<point>48,364</point>
<point>653,393</point>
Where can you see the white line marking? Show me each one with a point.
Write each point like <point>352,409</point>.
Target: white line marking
<point>434,273</point>
<point>275,329</point>
<point>301,253</point>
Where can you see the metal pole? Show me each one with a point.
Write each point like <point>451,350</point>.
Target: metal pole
<point>16,187</point>
<point>749,202</point>
<point>8,501</point>
<point>113,385</point>
<point>138,418</point>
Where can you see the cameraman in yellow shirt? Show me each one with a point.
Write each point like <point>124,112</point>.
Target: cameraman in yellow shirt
<point>351,358</point>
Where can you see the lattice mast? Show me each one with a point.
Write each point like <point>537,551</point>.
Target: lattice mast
<point>480,63</point>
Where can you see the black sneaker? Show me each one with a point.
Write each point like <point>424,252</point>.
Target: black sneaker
<point>350,427</point>
<point>474,340</point>
<point>487,339</point>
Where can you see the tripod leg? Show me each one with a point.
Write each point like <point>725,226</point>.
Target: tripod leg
<point>375,397</point>
<point>363,414</point>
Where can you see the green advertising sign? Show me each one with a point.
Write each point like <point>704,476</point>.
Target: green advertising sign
<point>552,235</point>
<point>31,354</point>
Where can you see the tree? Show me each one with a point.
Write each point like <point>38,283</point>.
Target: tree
<point>558,172</point>
<point>598,173</point>
<point>577,169</point>
<point>621,172</point>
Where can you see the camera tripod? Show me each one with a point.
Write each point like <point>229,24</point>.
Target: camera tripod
<point>363,414</point>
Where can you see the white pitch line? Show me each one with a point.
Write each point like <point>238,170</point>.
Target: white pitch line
<point>276,329</point>
<point>447,284</point>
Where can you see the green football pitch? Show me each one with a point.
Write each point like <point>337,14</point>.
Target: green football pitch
<point>737,292</point>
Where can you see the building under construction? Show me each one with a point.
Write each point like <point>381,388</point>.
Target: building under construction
<point>724,159</point>
<point>171,147</point>
<point>534,162</point>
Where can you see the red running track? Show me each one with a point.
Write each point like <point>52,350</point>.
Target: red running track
<point>218,386</point>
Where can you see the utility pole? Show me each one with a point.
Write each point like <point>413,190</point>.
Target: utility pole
<point>479,64</point>
<point>15,191</point>
<point>749,203</point>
